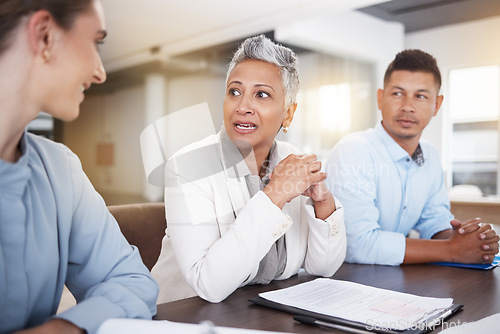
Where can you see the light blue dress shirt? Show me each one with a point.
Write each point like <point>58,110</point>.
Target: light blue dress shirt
<point>386,194</point>
<point>56,229</point>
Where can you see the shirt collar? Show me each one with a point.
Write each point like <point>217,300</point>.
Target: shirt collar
<point>418,156</point>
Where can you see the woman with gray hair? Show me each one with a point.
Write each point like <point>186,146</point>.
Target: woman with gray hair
<point>243,208</point>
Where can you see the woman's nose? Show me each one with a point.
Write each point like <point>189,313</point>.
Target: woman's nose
<point>100,73</point>
<point>245,106</point>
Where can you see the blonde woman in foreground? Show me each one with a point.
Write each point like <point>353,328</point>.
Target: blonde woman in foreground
<point>55,229</point>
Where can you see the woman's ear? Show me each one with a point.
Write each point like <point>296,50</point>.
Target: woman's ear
<point>41,30</point>
<point>289,112</point>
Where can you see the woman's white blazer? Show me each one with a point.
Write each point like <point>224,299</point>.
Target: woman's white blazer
<point>216,234</point>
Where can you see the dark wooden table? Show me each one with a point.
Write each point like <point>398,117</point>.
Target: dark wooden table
<point>478,290</point>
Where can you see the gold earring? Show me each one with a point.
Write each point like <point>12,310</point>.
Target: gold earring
<point>285,128</point>
<point>46,55</point>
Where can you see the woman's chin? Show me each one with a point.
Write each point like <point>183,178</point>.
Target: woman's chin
<point>242,145</point>
<point>67,116</point>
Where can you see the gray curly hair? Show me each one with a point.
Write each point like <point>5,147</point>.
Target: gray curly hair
<point>263,49</point>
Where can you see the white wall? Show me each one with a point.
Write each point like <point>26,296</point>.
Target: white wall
<point>348,34</point>
<point>189,90</point>
<point>474,43</point>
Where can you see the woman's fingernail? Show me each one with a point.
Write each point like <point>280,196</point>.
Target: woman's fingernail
<point>461,230</point>
<point>486,247</point>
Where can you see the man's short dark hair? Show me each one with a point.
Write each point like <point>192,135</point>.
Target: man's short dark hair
<point>414,61</point>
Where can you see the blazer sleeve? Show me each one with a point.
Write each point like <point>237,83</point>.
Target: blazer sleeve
<point>326,241</point>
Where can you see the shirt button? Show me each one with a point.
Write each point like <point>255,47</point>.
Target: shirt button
<point>404,207</point>
<point>408,159</point>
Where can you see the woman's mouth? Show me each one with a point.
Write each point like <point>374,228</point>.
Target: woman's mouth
<point>245,127</point>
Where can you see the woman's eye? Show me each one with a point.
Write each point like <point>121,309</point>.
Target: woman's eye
<point>262,94</point>
<point>234,92</point>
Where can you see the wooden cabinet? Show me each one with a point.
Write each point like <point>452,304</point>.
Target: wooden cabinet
<point>486,208</point>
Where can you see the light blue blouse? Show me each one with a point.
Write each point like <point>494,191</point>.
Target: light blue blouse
<point>386,194</point>
<point>56,229</point>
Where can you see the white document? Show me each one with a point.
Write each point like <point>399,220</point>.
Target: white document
<point>134,326</point>
<point>377,308</point>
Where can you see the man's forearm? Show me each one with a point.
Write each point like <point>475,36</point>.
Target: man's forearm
<point>424,250</point>
<point>446,234</point>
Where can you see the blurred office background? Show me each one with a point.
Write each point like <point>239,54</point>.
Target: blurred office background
<point>165,55</point>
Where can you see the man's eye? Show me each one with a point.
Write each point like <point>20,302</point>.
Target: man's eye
<point>234,92</point>
<point>422,97</point>
<point>397,94</point>
<point>262,94</point>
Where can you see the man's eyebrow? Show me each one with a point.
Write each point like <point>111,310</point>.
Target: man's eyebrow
<point>424,90</point>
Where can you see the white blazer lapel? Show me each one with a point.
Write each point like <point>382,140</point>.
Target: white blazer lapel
<point>238,193</point>
<point>234,180</point>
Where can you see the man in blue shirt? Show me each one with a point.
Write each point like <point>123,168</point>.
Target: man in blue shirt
<point>391,182</point>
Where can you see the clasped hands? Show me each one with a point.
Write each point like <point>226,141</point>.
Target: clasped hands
<point>300,175</point>
<point>473,241</point>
